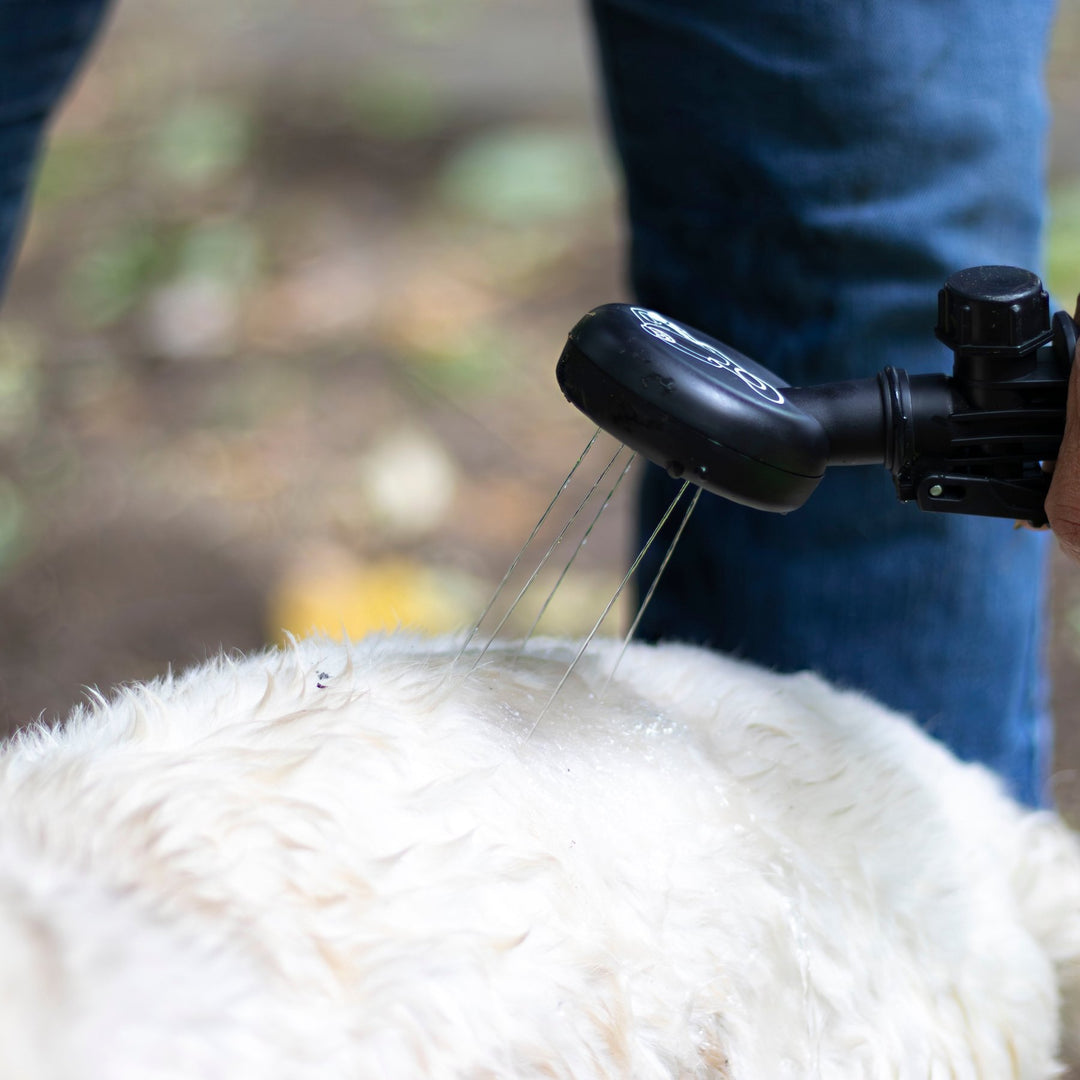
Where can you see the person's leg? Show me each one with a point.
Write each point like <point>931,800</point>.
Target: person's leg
<point>801,179</point>
<point>41,45</point>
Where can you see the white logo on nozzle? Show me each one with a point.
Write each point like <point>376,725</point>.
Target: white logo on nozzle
<point>678,337</point>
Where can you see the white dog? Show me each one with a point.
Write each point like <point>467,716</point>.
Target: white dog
<point>340,862</point>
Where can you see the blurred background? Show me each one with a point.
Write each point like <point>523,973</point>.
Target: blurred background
<point>279,349</point>
<point>278,352</point>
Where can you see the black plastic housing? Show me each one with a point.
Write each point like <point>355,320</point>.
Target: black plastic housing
<point>698,408</point>
<point>974,442</point>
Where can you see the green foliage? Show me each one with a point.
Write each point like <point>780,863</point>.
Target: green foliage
<point>20,378</point>
<point>111,280</point>
<point>1063,245</point>
<point>428,19</point>
<point>525,175</point>
<point>74,167</point>
<point>473,360</point>
<point>224,250</point>
<point>395,104</point>
<point>106,284</point>
<point>201,142</point>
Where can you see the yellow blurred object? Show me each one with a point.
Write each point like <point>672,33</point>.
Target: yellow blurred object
<point>327,590</point>
<point>334,594</point>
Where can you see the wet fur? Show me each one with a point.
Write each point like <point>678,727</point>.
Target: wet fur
<point>338,862</point>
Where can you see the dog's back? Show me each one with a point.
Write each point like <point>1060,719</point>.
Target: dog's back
<point>340,863</point>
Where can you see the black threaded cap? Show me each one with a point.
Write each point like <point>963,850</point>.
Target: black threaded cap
<point>996,310</point>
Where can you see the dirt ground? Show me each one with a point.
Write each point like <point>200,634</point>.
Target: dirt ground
<point>279,348</point>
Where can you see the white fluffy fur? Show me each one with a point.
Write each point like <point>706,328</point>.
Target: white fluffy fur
<point>336,862</point>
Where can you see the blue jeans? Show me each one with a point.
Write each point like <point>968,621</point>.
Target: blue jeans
<point>41,44</point>
<point>801,177</point>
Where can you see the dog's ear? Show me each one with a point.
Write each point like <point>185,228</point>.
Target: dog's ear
<point>1046,881</point>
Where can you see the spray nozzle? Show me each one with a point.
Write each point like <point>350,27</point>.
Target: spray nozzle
<point>972,442</point>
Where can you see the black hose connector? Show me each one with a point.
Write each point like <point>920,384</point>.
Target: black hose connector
<point>973,442</point>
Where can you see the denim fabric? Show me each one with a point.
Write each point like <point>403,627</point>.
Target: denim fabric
<point>41,44</point>
<point>801,177</point>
